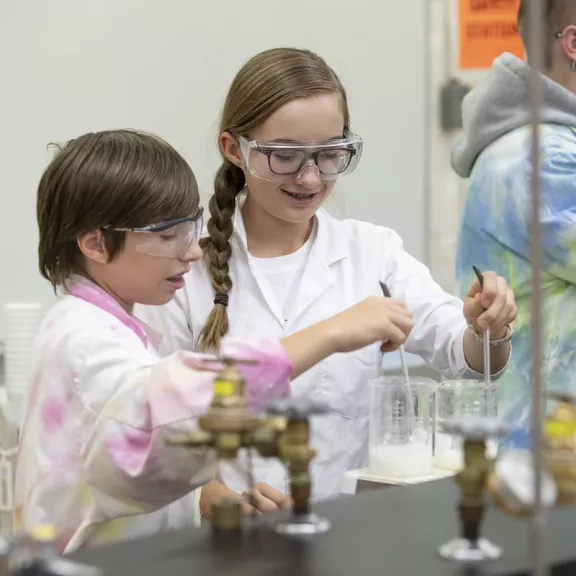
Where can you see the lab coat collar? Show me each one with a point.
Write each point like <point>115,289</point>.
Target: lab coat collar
<point>330,244</point>
<point>84,289</point>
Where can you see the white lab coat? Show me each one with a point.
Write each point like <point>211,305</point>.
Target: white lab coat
<point>346,263</point>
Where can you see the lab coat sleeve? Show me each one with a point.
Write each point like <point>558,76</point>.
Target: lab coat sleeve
<point>132,402</point>
<point>171,321</point>
<point>439,323</point>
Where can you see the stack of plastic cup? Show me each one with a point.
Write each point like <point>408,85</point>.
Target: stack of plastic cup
<point>21,323</point>
<point>8,457</point>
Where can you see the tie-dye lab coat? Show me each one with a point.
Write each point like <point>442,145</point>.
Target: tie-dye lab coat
<point>495,235</point>
<point>93,458</point>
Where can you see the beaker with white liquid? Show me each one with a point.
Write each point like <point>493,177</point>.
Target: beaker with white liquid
<point>460,398</point>
<point>400,434</point>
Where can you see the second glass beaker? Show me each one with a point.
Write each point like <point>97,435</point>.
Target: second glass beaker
<point>401,438</point>
<point>461,398</point>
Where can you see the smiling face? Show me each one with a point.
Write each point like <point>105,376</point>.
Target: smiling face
<point>295,199</point>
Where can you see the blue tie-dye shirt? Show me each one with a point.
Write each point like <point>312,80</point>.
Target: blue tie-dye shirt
<point>495,232</point>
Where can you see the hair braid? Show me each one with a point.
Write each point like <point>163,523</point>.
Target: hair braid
<point>228,183</point>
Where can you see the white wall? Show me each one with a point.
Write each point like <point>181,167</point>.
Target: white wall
<point>71,66</point>
<point>446,189</point>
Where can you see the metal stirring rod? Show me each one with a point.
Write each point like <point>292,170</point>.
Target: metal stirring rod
<point>486,335</point>
<point>404,364</point>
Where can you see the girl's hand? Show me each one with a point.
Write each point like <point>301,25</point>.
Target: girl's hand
<point>491,306</point>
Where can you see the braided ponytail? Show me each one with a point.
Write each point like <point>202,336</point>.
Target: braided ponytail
<point>228,183</point>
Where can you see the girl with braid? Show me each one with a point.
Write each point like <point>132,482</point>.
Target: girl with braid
<point>276,262</point>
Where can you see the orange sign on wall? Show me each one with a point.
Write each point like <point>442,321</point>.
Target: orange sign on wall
<point>488,28</point>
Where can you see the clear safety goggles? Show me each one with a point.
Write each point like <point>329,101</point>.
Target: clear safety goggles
<point>278,161</point>
<point>169,239</point>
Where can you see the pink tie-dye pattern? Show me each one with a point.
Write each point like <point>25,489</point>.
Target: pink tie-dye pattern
<point>53,413</point>
<point>88,291</point>
<point>269,378</point>
<point>128,431</point>
<point>129,449</point>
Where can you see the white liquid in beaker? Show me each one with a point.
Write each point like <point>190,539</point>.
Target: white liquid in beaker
<point>409,460</point>
<point>448,453</point>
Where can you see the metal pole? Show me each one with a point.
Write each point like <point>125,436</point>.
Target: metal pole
<point>538,522</point>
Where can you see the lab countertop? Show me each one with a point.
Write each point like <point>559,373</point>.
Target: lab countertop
<point>395,532</point>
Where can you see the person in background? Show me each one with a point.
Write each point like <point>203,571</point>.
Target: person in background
<point>276,262</point>
<point>119,220</point>
<point>494,153</point>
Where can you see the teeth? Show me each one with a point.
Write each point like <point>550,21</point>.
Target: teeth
<point>300,196</point>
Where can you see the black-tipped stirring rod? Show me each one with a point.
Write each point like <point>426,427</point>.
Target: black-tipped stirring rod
<point>387,294</point>
<point>385,290</point>
<point>486,334</point>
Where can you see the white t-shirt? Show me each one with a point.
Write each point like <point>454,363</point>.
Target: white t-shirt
<point>284,275</point>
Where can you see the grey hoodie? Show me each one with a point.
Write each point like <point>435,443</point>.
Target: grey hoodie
<point>500,104</point>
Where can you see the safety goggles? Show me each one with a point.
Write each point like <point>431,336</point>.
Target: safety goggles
<point>169,239</point>
<point>278,161</point>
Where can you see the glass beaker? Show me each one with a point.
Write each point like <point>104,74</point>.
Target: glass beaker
<point>400,443</point>
<point>460,398</point>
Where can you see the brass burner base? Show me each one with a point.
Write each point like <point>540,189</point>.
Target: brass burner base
<point>305,525</point>
<point>462,550</point>
<point>227,515</point>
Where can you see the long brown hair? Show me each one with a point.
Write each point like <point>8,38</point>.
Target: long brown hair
<point>115,178</point>
<point>263,85</point>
